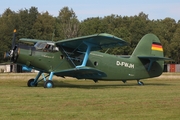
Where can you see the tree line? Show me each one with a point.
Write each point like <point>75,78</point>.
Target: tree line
<point>30,23</point>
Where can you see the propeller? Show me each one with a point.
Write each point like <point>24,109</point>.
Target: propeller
<point>13,53</point>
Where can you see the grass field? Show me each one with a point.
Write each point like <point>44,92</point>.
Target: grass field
<point>158,99</point>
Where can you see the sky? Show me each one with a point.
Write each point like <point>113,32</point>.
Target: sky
<point>159,9</point>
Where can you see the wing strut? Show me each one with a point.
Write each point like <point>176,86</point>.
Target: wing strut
<point>150,64</point>
<point>68,56</point>
<point>88,50</point>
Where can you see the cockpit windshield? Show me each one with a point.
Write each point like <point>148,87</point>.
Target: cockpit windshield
<point>46,47</point>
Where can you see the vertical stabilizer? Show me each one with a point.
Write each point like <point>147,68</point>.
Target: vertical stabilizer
<point>150,52</point>
<point>149,45</point>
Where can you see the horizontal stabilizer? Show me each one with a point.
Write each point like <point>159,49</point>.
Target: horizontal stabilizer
<point>152,59</point>
<point>81,73</point>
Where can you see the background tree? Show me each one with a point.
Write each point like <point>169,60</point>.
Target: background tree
<point>91,26</point>
<point>27,20</point>
<point>44,26</point>
<point>174,47</point>
<point>68,24</point>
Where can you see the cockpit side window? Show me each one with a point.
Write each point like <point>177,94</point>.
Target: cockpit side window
<point>46,47</point>
<point>40,45</point>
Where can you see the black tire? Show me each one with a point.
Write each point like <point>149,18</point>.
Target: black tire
<point>30,83</point>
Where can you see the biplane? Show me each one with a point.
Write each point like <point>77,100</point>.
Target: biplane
<point>81,58</point>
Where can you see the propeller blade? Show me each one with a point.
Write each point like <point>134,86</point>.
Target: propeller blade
<point>13,53</point>
<point>14,38</point>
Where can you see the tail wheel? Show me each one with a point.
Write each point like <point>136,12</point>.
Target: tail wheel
<point>48,84</point>
<point>31,83</point>
<point>140,83</point>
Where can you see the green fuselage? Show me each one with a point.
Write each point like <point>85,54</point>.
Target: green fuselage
<point>115,67</point>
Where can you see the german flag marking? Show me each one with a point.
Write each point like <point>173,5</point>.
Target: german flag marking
<point>157,46</point>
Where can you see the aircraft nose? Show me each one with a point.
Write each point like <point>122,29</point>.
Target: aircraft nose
<point>12,55</point>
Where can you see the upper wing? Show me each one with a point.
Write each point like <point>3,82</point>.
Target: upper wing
<point>98,41</point>
<point>7,63</point>
<point>26,40</point>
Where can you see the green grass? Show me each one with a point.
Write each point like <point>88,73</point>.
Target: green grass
<point>159,98</point>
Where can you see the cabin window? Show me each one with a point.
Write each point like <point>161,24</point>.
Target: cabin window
<point>62,56</point>
<point>96,63</point>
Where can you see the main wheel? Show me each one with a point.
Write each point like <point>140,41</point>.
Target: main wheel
<point>48,84</point>
<point>31,83</point>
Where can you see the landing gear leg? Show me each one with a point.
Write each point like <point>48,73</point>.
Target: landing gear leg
<point>49,83</point>
<point>140,83</point>
<point>34,82</point>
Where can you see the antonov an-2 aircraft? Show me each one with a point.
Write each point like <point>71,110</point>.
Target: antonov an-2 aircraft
<point>79,58</point>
